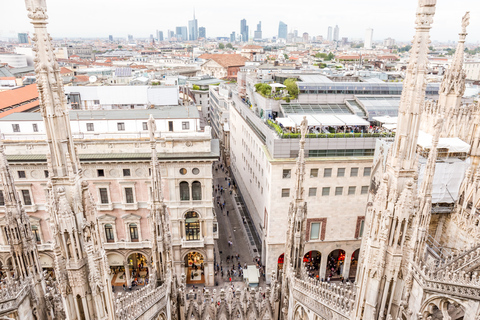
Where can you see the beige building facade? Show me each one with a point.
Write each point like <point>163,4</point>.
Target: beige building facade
<point>116,163</point>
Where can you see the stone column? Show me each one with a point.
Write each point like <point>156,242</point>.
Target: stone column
<point>127,273</point>
<point>323,267</point>
<point>85,308</point>
<point>206,273</point>
<point>346,265</point>
<point>77,308</point>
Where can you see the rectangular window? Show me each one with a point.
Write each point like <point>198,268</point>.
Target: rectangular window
<point>21,174</point>
<point>285,193</point>
<point>185,125</point>
<point>362,225</point>
<point>103,195</point>
<point>341,172</point>
<point>364,190</point>
<point>126,172</point>
<point>338,191</point>
<point>287,173</point>
<point>327,173</point>
<point>2,198</point>
<point>315,230</point>
<point>45,172</point>
<point>26,198</point>
<point>325,191</point>
<point>170,125</point>
<point>313,173</point>
<point>90,127</point>
<point>353,172</point>
<point>35,127</point>
<point>96,101</point>
<point>36,234</point>
<point>351,190</point>
<point>16,127</point>
<point>133,232</point>
<point>109,233</point>
<point>312,192</point>
<point>367,171</point>
<point>121,126</point>
<point>145,126</point>
<point>100,173</point>
<point>129,195</point>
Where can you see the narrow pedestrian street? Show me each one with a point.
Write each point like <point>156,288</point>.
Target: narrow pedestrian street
<point>233,240</point>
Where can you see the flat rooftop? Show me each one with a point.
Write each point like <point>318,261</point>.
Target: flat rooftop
<point>309,108</point>
<point>166,112</point>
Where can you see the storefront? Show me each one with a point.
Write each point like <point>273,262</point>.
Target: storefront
<point>194,268</point>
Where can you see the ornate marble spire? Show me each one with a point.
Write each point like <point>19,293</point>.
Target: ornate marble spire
<point>413,94</point>
<point>297,214</point>
<point>51,93</point>
<point>160,224</point>
<point>23,246</point>
<point>80,260</point>
<point>454,79</point>
<point>392,218</point>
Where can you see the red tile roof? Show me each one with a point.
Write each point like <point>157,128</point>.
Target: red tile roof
<point>81,78</point>
<point>251,46</point>
<point>16,96</point>
<point>64,70</point>
<point>225,60</point>
<point>22,108</point>
<point>12,101</point>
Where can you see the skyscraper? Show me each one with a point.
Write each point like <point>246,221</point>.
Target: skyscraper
<point>182,34</point>
<point>130,38</point>
<point>232,37</point>
<point>202,32</point>
<point>368,38</point>
<point>306,37</point>
<point>244,30</point>
<point>170,35</point>
<point>193,28</point>
<point>110,38</point>
<point>258,32</point>
<point>159,35</point>
<point>22,38</point>
<point>282,30</point>
<point>336,33</point>
<point>329,34</point>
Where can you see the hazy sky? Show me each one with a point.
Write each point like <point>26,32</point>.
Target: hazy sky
<point>99,18</point>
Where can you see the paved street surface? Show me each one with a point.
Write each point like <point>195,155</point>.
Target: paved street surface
<point>231,228</point>
<point>233,237</point>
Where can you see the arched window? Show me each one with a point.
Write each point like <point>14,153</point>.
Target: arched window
<point>192,226</point>
<point>184,191</point>
<point>196,190</point>
<point>133,232</point>
<point>109,233</point>
<point>36,234</point>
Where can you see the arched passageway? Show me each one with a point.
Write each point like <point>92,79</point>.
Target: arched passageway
<point>138,269</point>
<point>311,261</point>
<point>335,264</point>
<point>194,268</point>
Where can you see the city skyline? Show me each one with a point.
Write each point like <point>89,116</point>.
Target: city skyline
<point>353,19</point>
